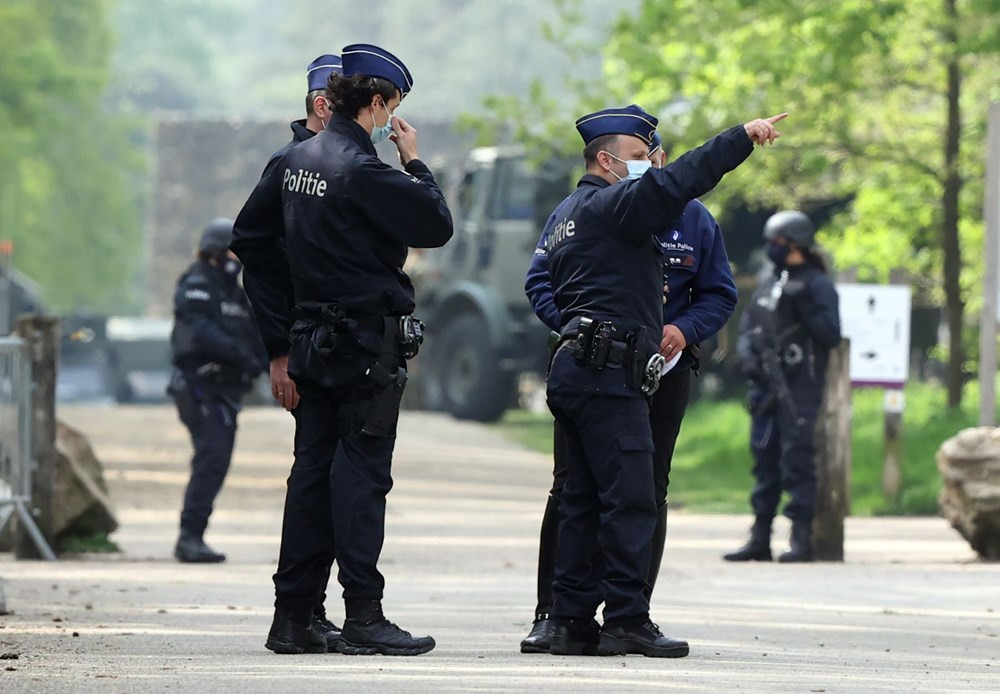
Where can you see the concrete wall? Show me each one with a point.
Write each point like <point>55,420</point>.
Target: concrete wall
<point>206,169</point>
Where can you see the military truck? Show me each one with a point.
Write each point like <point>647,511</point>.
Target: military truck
<point>482,335</point>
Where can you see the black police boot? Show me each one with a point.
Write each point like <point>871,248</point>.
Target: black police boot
<point>539,639</point>
<point>294,632</point>
<point>656,548</point>
<point>801,546</point>
<point>575,637</point>
<point>758,548</point>
<point>368,632</point>
<point>644,639</point>
<point>191,549</point>
<point>330,631</point>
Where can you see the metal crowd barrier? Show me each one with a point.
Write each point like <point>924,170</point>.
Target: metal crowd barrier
<point>16,464</point>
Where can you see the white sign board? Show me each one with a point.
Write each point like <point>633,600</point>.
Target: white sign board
<point>876,319</point>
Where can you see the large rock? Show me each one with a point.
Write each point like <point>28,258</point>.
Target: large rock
<point>81,505</point>
<point>970,467</point>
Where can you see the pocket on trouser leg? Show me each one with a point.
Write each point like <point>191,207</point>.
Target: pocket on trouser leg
<point>643,444</point>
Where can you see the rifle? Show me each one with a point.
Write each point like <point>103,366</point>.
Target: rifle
<point>764,342</point>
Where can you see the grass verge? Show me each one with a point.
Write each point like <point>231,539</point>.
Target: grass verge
<point>711,467</point>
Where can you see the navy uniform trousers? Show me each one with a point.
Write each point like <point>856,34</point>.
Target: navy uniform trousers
<point>785,457</point>
<point>334,506</point>
<point>607,508</point>
<point>209,413</point>
<point>666,411</point>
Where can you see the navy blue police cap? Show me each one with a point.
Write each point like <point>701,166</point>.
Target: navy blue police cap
<point>319,70</point>
<point>631,120</point>
<point>656,144</point>
<point>366,59</point>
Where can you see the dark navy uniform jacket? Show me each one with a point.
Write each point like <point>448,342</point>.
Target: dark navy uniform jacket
<point>213,323</point>
<point>350,218</point>
<point>605,262</point>
<point>807,314</point>
<point>701,293</point>
<point>349,221</point>
<point>259,241</point>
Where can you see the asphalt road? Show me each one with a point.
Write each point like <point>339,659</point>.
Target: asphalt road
<point>910,610</point>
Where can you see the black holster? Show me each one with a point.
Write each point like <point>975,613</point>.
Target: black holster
<point>380,412</point>
<point>634,362</point>
<point>595,345</point>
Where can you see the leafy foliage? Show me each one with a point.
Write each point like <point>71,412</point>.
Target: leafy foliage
<point>866,85</point>
<point>67,196</point>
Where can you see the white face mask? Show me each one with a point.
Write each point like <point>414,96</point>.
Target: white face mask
<point>636,167</point>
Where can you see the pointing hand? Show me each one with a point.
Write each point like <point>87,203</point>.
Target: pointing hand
<point>762,130</point>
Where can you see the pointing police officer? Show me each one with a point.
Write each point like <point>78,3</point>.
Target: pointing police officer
<point>607,278</point>
<point>259,239</point>
<point>786,334</point>
<point>216,355</point>
<point>699,297</point>
<point>349,219</point>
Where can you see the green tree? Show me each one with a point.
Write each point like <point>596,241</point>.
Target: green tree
<point>887,103</point>
<point>67,170</point>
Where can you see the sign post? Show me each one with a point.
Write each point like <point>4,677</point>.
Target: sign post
<point>876,318</point>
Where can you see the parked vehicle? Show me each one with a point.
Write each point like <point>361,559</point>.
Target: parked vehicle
<point>482,334</point>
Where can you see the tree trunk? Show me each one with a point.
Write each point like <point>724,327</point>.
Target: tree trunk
<point>949,208</point>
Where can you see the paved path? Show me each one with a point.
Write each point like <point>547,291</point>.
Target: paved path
<point>911,609</point>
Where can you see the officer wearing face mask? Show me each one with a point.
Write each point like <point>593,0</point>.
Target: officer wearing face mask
<point>259,241</point>
<point>606,271</point>
<point>216,355</point>
<point>349,219</point>
<point>786,334</point>
<point>699,296</point>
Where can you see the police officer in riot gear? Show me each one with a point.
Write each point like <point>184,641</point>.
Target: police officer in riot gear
<point>607,279</point>
<point>259,233</point>
<point>699,297</point>
<point>786,334</point>
<point>349,219</point>
<point>216,356</point>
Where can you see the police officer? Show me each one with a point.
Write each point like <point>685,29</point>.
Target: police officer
<point>259,233</point>
<point>259,238</point>
<point>607,278</point>
<point>349,219</point>
<point>786,334</point>
<point>699,297</point>
<point>216,356</point>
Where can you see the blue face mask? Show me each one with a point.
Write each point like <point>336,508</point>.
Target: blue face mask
<point>380,134</point>
<point>636,168</point>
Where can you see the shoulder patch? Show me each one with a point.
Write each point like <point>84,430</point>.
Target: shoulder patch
<point>197,295</point>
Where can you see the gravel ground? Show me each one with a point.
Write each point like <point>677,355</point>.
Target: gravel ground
<point>911,609</point>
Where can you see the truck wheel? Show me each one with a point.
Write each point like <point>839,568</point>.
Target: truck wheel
<point>467,368</point>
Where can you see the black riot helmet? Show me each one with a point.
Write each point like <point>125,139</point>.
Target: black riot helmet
<point>216,237</point>
<point>791,225</point>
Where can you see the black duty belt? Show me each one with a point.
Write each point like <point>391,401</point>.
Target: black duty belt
<point>601,344</point>
<point>405,332</point>
<point>607,353</point>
